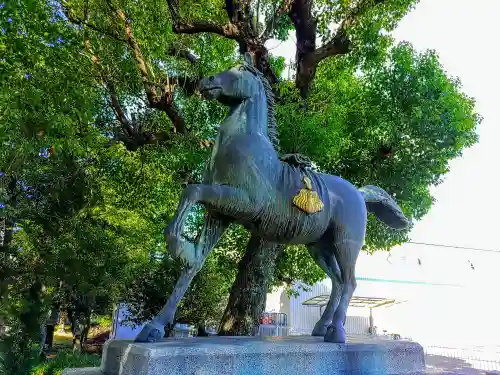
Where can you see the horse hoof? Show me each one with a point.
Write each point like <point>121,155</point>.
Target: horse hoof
<point>319,329</point>
<point>150,333</point>
<point>335,335</point>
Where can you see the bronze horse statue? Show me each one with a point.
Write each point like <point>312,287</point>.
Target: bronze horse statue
<point>280,202</point>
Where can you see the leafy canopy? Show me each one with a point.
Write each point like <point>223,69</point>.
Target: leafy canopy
<point>100,124</point>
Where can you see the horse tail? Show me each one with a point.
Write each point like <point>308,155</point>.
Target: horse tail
<point>381,204</point>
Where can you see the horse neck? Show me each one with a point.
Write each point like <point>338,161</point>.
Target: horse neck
<point>248,117</point>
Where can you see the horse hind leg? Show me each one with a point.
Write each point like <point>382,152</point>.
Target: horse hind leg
<point>324,257</point>
<point>346,253</point>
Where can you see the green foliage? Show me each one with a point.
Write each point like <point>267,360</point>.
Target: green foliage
<point>21,312</point>
<point>84,216</point>
<point>406,104</point>
<point>103,321</point>
<point>63,360</point>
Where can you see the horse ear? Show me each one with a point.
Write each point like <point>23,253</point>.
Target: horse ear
<point>248,58</point>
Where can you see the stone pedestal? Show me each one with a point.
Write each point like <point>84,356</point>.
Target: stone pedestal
<point>258,356</point>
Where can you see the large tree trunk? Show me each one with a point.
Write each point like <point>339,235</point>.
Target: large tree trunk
<point>248,293</point>
<point>74,328</point>
<point>49,336</point>
<point>85,328</point>
<point>43,339</point>
<point>50,325</point>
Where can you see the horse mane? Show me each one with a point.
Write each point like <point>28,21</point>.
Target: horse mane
<point>272,126</point>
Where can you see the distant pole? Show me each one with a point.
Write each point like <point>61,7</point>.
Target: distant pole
<point>371,321</point>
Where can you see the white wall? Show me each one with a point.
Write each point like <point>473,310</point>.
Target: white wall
<point>302,318</point>
<point>446,301</point>
<point>122,331</point>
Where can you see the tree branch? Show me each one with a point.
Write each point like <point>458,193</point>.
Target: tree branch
<point>133,136</point>
<point>162,102</point>
<point>189,85</point>
<point>240,28</point>
<point>110,33</point>
<point>305,30</point>
<point>340,42</point>
<point>230,9</point>
<point>237,10</point>
<point>84,22</point>
<point>286,280</point>
<point>271,22</point>
<point>120,114</point>
<point>228,30</point>
<point>339,45</point>
<point>143,138</point>
<point>308,56</point>
<point>184,53</point>
<point>127,126</point>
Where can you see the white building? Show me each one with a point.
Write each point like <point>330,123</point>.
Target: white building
<point>433,295</point>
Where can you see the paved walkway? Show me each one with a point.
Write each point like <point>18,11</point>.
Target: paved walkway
<point>436,364</point>
<point>466,361</point>
<point>454,361</point>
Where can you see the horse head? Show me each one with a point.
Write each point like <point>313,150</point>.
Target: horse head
<point>232,86</point>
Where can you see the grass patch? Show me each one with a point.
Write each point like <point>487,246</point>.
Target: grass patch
<point>65,359</point>
<point>63,339</point>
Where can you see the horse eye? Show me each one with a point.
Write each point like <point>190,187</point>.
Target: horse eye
<point>211,78</point>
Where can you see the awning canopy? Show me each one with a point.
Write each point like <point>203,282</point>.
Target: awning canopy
<point>370,302</point>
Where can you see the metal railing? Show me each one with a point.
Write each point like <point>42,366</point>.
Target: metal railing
<point>272,324</point>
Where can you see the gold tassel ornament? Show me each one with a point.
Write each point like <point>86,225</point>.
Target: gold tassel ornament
<point>308,200</point>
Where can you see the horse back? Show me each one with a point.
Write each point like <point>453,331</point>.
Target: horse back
<point>285,222</point>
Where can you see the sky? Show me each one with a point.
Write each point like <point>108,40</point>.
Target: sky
<point>465,214</point>
<point>463,33</point>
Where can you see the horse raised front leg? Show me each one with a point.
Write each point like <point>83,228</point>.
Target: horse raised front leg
<point>206,241</point>
<point>154,330</point>
<point>225,200</point>
<point>179,247</point>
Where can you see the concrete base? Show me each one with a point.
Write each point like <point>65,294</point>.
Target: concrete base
<point>83,371</point>
<point>291,355</point>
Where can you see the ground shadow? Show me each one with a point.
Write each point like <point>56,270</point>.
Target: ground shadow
<point>438,364</point>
